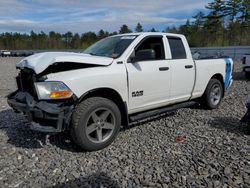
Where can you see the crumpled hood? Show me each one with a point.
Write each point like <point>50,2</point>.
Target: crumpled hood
<point>41,61</point>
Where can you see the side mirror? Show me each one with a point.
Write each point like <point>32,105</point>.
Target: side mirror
<point>147,54</point>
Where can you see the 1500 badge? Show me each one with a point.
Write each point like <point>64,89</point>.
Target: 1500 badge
<point>137,93</point>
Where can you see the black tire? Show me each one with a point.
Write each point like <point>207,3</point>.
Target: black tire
<point>209,99</point>
<point>247,74</point>
<point>90,115</point>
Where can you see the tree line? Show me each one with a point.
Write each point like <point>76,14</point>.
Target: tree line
<point>226,23</point>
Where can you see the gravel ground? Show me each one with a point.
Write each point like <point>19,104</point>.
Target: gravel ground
<point>192,148</point>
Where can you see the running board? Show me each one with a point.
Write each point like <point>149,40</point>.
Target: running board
<point>155,112</point>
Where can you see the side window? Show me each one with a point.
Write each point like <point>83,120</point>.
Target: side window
<point>177,48</point>
<point>153,43</point>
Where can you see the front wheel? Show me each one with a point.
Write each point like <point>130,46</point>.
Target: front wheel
<point>95,123</point>
<point>213,94</point>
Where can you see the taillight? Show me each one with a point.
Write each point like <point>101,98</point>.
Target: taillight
<point>243,60</point>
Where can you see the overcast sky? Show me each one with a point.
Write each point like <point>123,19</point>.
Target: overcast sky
<point>82,15</point>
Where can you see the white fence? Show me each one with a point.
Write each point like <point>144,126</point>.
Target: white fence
<point>235,52</point>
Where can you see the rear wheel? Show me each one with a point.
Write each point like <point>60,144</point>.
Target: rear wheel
<point>213,94</point>
<point>95,123</point>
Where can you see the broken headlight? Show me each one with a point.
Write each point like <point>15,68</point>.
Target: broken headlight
<point>52,90</point>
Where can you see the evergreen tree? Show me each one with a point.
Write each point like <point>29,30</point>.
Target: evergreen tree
<point>114,33</point>
<point>101,34</point>
<point>153,30</point>
<point>244,16</point>
<point>67,38</point>
<point>106,34</point>
<point>124,29</point>
<point>215,23</point>
<point>217,8</point>
<point>87,39</point>
<point>172,29</point>
<point>139,28</point>
<point>34,42</point>
<point>197,35</point>
<point>199,19</point>
<point>185,29</point>
<point>244,19</point>
<point>231,9</point>
<point>52,40</point>
<point>76,41</point>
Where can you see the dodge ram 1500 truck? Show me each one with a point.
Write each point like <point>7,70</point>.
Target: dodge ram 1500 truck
<point>115,81</point>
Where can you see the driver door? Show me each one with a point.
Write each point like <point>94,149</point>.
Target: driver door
<point>149,79</point>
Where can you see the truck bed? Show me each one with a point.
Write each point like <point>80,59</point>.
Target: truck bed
<point>205,69</point>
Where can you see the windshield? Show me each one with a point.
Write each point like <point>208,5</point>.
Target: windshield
<point>111,47</point>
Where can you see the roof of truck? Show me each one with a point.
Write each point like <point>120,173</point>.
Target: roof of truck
<point>150,33</point>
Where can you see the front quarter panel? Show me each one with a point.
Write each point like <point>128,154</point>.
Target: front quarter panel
<point>82,81</point>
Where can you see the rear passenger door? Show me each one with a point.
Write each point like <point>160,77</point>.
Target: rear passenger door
<point>182,69</point>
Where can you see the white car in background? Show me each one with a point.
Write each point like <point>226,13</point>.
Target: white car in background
<point>246,65</point>
<point>5,53</point>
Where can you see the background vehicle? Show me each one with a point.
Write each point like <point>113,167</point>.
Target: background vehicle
<point>119,79</point>
<point>5,53</point>
<point>246,117</point>
<point>246,65</point>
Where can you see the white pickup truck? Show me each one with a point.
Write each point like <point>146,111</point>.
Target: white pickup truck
<point>117,80</point>
<point>246,65</point>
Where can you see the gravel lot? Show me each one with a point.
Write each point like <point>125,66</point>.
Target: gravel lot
<point>213,150</point>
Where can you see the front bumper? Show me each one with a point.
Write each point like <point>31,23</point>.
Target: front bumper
<point>44,116</point>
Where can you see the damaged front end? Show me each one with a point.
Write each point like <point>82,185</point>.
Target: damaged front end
<point>44,115</point>
<point>48,104</point>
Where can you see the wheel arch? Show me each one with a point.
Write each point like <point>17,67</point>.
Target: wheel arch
<point>112,95</point>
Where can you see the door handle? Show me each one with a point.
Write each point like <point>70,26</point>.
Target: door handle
<point>188,66</point>
<point>163,68</point>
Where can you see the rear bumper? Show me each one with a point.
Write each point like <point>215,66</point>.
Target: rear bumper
<point>43,115</point>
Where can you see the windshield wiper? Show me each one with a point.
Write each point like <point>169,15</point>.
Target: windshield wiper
<point>89,53</point>
<point>96,54</point>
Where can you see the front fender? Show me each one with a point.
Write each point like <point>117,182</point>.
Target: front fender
<point>81,81</point>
